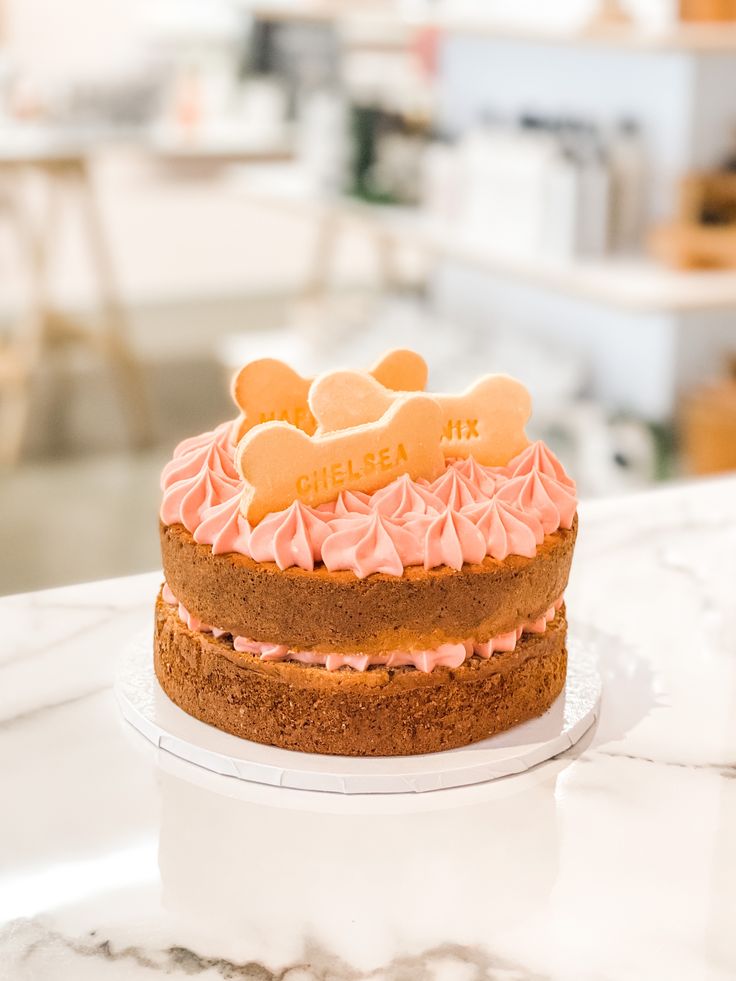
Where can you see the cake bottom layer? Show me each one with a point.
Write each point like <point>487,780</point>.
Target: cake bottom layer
<point>381,712</point>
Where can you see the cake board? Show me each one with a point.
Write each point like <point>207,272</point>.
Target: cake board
<point>145,706</point>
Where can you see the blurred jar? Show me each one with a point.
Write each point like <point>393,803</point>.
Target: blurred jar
<point>708,426</point>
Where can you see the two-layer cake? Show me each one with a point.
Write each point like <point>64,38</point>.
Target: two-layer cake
<point>387,579</point>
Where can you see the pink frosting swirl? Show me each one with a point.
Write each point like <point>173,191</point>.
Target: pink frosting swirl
<point>486,479</point>
<point>450,539</point>
<point>291,537</point>
<point>203,440</point>
<point>455,490</point>
<point>538,456</point>
<point>352,502</point>
<point>536,493</point>
<point>368,544</point>
<point>200,476</point>
<point>405,496</point>
<point>224,528</point>
<point>506,529</point>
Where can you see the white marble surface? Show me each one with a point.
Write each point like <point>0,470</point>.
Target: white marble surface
<point>615,861</point>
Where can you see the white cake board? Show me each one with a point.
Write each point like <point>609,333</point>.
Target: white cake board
<point>148,708</point>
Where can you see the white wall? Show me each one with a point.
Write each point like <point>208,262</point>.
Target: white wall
<point>630,357</point>
<point>56,38</point>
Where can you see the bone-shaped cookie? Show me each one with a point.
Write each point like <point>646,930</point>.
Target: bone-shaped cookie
<point>486,421</point>
<point>281,464</point>
<point>269,390</point>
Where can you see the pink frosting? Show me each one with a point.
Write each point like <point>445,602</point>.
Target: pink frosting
<point>505,529</point>
<point>200,476</point>
<point>291,537</point>
<point>352,502</point>
<point>167,596</point>
<point>536,493</point>
<point>192,622</point>
<point>455,490</point>
<point>370,543</point>
<point>404,496</point>
<point>450,539</point>
<point>539,457</point>
<point>267,652</point>
<point>418,523</point>
<point>193,443</point>
<point>224,528</point>
<point>446,655</point>
<point>486,479</point>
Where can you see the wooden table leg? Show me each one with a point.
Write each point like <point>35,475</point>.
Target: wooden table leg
<point>125,365</point>
<point>20,358</point>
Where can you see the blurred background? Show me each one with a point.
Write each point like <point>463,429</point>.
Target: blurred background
<point>543,189</point>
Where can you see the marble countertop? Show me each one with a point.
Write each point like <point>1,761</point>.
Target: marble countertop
<point>616,860</point>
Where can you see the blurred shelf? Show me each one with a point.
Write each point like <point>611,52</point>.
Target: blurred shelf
<point>206,149</point>
<point>688,38</point>
<point>693,38</point>
<point>29,143</point>
<point>299,11</point>
<point>637,285</point>
<point>26,144</point>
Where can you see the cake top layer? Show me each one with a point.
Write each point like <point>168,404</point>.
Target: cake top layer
<point>385,479</point>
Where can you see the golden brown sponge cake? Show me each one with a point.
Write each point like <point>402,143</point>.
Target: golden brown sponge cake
<point>383,712</point>
<point>336,611</point>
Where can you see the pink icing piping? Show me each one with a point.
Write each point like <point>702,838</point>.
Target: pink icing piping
<point>224,528</point>
<point>369,543</point>
<point>538,456</point>
<point>291,537</point>
<point>199,477</point>
<point>543,496</point>
<point>446,655</point>
<point>404,524</point>
<point>450,539</point>
<point>505,529</point>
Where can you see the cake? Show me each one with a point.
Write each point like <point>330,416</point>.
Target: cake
<point>385,578</point>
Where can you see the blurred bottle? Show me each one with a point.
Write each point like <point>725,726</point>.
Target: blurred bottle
<point>708,426</point>
<point>188,103</point>
<point>263,107</point>
<point>595,190</point>
<point>385,162</point>
<point>628,186</point>
<point>504,172</point>
<point>441,180</point>
<point>561,219</point>
<point>321,137</point>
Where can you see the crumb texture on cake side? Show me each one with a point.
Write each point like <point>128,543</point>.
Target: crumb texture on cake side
<point>402,712</point>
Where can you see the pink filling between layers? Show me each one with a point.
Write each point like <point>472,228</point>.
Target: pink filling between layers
<point>468,512</point>
<point>446,655</point>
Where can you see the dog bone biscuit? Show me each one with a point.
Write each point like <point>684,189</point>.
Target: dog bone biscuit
<point>268,390</point>
<point>281,464</point>
<point>486,421</point>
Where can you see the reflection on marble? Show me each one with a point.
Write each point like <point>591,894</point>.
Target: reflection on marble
<point>614,860</point>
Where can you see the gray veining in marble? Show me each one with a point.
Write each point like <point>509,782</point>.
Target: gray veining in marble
<point>616,860</point>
